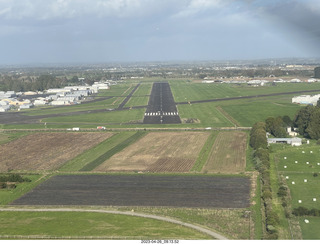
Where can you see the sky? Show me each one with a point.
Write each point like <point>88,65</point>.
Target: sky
<point>95,31</point>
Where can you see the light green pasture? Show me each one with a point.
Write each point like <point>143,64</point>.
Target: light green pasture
<point>79,224</point>
<point>310,231</point>
<point>249,111</point>
<point>118,117</point>
<point>207,113</point>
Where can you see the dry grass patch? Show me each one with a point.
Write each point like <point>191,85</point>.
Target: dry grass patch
<point>228,154</point>
<point>159,152</point>
<point>46,151</point>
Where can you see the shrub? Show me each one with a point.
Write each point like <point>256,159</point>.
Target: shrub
<point>272,218</point>
<point>300,211</point>
<point>267,195</point>
<point>282,192</point>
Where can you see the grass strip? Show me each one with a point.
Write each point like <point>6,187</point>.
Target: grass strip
<point>204,153</point>
<point>95,163</point>
<point>91,154</point>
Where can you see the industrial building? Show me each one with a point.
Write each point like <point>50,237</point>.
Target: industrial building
<point>306,99</point>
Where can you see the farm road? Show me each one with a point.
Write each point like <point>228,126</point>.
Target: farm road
<point>196,227</point>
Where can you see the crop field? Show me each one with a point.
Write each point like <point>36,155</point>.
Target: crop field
<point>158,152</point>
<point>228,154</point>
<point>46,151</point>
<point>141,190</point>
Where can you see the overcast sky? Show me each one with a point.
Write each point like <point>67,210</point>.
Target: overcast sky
<point>89,31</point>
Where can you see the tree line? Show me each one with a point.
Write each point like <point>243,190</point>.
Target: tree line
<point>258,141</point>
<point>41,83</point>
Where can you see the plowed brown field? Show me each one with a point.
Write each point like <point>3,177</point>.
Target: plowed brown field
<point>46,151</point>
<point>158,152</point>
<point>228,154</point>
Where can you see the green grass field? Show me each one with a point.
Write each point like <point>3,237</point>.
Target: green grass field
<point>305,159</point>
<point>141,96</point>
<point>68,225</point>
<point>249,111</point>
<point>206,113</point>
<point>310,231</point>
<point>184,91</point>
<point>297,166</point>
<point>106,118</point>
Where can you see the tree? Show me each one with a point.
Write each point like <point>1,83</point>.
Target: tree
<point>276,126</point>
<point>258,137</point>
<point>287,120</point>
<point>75,79</point>
<point>302,118</point>
<point>317,72</point>
<point>313,128</point>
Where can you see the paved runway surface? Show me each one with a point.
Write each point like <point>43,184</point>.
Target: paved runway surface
<point>161,107</point>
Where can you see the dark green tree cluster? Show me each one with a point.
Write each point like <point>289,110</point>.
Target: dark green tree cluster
<point>43,82</point>
<point>302,211</point>
<point>258,141</point>
<point>277,126</point>
<point>307,121</point>
<point>317,72</point>
<point>10,180</point>
<point>258,137</point>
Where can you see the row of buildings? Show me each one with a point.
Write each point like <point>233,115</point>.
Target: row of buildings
<point>56,97</point>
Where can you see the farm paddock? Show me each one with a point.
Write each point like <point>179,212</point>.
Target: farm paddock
<point>228,154</point>
<point>158,152</point>
<point>46,151</point>
<point>141,190</point>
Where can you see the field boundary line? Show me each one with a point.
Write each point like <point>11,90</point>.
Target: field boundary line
<point>114,150</point>
<point>170,220</point>
<point>228,116</point>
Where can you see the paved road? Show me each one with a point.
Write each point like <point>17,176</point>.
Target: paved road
<point>196,227</point>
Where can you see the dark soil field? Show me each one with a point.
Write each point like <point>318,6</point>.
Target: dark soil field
<point>161,107</point>
<point>141,190</point>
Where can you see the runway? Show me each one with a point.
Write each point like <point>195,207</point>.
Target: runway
<point>161,107</point>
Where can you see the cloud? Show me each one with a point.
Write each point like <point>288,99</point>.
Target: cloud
<point>66,9</point>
